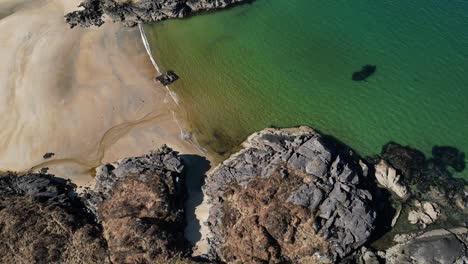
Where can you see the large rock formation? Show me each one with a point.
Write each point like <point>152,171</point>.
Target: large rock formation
<point>42,221</point>
<point>140,11</point>
<point>140,203</point>
<point>291,195</point>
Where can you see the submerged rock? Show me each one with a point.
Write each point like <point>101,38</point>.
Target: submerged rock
<point>167,78</point>
<point>291,195</point>
<point>364,73</point>
<point>43,221</point>
<point>430,179</point>
<point>449,156</point>
<point>131,13</point>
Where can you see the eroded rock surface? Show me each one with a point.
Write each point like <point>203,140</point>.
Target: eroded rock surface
<point>431,179</point>
<point>424,213</point>
<point>140,203</point>
<point>131,13</point>
<point>135,214</point>
<point>289,195</point>
<point>437,246</point>
<point>388,178</point>
<point>42,221</point>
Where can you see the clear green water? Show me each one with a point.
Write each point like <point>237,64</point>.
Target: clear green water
<point>287,63</point>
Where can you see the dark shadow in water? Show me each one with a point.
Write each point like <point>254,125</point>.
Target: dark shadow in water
<point>195,170</point>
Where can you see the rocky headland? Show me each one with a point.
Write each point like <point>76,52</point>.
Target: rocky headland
<point>289,196</point>
<point>130,13</point>
<point>134,214</point>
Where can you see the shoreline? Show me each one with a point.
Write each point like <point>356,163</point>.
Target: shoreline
<point>173,95</point>
<point>92,101</point>
<point>200,211</point>
<point>99,105</point>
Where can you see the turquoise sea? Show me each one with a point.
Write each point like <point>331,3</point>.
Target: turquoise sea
<point>287,63</point>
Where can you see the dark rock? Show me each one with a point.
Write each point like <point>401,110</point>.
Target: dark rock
<point>364,73</point>
<point>320,211</point>
<point>430,180</point>
<point>48,155</point>
<point>90,15</point>
<point>139,203</point>
<point>437,246</point>
<point>167,78</point>
<point>408,161</point>
<point>131,13</point>
<point>43,221</point>
<point>449,156</point>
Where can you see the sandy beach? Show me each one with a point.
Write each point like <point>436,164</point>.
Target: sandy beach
<point>85,94</point>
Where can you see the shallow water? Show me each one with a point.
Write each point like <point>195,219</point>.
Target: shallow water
<point>287,63</point>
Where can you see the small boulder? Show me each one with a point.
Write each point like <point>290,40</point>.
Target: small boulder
<point>388,178</point>
<point>425,213</point>
<point>48,155</point>
<point>167,78</point>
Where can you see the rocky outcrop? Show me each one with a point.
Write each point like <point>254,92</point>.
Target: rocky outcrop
<point>424,213</point>
<point>140,203</point>
<point>431,179</point>
<point>291,195</point>
<point>42,221</point>
<point>135,214</point>
<point>388,178</point>
<point>437,246</point>
<point>131,13</point>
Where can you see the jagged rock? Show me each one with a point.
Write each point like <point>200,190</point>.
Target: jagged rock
<point>167,78</point>
<point>90,15</point>
<point>430,179</point>
<point>48,155</point>
<point>388,178</point>
<point>289,195</point>
<point>425,213</point>
<point>437,246</point>
<point>131,13</point>
<point>140,203</point>
<point>42,221</point>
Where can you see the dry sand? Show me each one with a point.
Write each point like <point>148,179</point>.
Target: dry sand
<point>86,95</point>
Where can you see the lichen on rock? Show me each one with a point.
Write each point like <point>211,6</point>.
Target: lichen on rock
<point>289,194</point>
